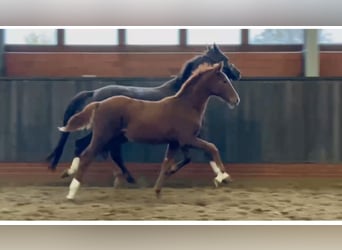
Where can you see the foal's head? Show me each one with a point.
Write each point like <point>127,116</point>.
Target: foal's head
<point>212,80</point>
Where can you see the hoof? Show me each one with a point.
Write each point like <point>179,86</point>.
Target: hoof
<point>117,182</point>
<point>173,169</point>
<point>227,181</point>
<point>131,180</point>
<point>226,178</point>
<point>158,193</point>
<point>216,183</point>
<point>222,178</point>
<point>65,174</point>
<point>170,172</point>
<point>69,198</point>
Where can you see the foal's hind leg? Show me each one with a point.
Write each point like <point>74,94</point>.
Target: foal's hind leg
<point>115,153</point>
<point>80,145</point>
<point>216,162</point>
<point>168,160</point>
<point>85,159</point>
<point>96,146</point>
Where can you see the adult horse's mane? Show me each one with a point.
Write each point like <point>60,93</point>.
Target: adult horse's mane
<point>187,69</point>
<point>194,74</point>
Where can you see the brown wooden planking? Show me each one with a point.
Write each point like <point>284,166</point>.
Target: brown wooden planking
<point>52,64</point>
<point>330,64</point>
<point>270,64</point>
<point>135,64</point>
<point>101,173</point>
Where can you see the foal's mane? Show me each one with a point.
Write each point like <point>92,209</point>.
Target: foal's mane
<point>204,67</point>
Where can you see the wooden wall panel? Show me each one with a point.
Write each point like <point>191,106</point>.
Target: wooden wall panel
<point>100,174</point>
<point>142,64</point>
<point>258,64</point>
<point>331,64</point>
<point>252,64</point>
<point>296,120</point>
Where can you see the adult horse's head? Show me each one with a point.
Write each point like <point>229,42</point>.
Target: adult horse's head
<point>215,55</point>
<point>212,55</point>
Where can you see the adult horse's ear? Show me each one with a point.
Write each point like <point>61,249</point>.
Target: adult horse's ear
<point>215,47</point>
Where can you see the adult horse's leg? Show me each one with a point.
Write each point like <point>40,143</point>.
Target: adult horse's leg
<point>76,103</point>
<point>80,145</point>
<point>168,160</point>
<point>176,167</point>
<point>116,155</point>
<point>216,162</point>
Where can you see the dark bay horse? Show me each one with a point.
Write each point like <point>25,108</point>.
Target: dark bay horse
<point>174,120</point>
<point>211,56</point>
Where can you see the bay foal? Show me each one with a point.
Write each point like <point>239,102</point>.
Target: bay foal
<point>174,120</point>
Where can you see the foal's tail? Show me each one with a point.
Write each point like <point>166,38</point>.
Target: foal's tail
<point>81,120</point>
<point>76,104</point>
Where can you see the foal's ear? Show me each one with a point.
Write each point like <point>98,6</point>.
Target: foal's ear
<point>219,66</point>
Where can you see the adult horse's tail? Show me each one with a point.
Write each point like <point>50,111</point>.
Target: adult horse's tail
<point>81,120</point>
<point>75,105</point>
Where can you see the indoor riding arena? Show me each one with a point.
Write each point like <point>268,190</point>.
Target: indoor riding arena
<point>281,146</point>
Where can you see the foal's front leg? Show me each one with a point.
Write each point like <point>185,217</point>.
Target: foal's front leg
<point>216,163</point>
<point>187,159</point>
<point>168,160</point>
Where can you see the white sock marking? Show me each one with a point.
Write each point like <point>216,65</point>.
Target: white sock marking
<point>62,129</point>
<point>219,175</point>
<point>74,166</point>
<point>222,176</point>
<point>215,167</point>
<point>73,188</point>
<point>225,176</point>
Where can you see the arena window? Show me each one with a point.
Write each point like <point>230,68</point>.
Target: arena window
<point>31,36</point>
<point>91,37</point>
<point>209,36</point>
<point>152,36</point>
<point>275,36</point>
<point>330,36</point>
<point>153,40</point>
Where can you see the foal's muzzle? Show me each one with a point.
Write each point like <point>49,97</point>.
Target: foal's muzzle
<point>233,103</point>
